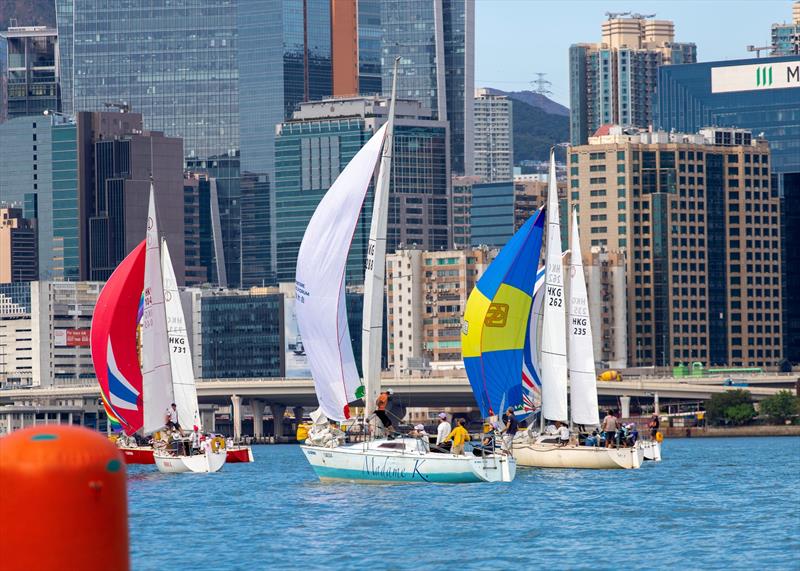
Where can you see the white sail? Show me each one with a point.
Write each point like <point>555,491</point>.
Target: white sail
<point>375,271</point>
<point>582,376</point>
<point>156,371</point>
<point>554,340</point>
<point>320,306</point>
<point>180,354</point>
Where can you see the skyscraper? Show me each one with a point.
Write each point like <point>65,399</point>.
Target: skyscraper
<point>315,146</point>
<point>494,146</point>
<point>219,74</point>
<point>435,40</point>
<point>30,68</point>
<point>786,36</point>
<point>614,81</point>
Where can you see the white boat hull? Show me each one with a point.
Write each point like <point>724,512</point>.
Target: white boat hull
<point>546,455</point>
<point>198,463</point>
<point>363,463</point>
<point>651,450</point>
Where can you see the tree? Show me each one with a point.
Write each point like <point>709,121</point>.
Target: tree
<point>717,407</point>
<point>740,414</point>
<point>781,406</point>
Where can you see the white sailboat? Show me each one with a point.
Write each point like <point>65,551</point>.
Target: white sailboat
<point>545,451</point>
<point>322,319</point>
<point>166,361</point>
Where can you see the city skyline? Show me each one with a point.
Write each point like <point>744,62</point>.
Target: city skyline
<point>508,55</point>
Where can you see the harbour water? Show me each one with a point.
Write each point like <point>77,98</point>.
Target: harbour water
<point>717,503</point>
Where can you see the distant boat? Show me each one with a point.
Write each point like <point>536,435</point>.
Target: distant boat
<point>554,369</point>
<point>322,320</point>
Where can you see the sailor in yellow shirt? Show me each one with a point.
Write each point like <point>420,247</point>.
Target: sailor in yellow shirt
<point>459,435</point>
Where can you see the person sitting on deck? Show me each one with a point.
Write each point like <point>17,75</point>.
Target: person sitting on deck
<point>419,432</point>
<point>458,435</point>
<point>551,429</point>
<point>593,439</point>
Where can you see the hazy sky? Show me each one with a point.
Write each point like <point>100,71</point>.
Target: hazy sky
<point>517,38</point>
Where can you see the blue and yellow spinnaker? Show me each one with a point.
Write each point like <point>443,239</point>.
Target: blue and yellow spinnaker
<point>496,320</point>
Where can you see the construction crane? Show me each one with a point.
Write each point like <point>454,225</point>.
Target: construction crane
<point>540,84</point>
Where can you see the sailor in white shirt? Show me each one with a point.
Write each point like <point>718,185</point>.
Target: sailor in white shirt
<point>443,429</point>
<point>171,418</point>
<point>563,434</point>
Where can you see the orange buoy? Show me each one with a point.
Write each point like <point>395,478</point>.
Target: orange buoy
<point>63,502</point>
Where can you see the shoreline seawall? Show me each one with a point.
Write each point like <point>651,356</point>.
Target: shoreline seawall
<point>719,432</point>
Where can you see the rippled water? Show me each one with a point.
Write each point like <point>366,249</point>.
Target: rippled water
<point>718,503</point>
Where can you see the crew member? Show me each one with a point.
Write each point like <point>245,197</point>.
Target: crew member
<point>380,410</point>
<point>459,435</point>
<point>510,429</point>
<point>171,419</point>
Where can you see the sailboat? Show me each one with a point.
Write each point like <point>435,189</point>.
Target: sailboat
<point>322,320</point>
<point>137,396</point>
<point>554,369</point>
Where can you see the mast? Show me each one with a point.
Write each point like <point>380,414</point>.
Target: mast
<point>375,271</point>
<point>156,369</point>
<point>554,341</point>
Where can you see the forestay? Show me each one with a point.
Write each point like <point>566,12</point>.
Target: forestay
<point>320,280</point>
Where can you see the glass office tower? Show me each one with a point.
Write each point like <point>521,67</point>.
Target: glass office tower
<point>435,41</point>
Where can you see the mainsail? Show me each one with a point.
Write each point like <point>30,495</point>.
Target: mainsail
<point>113,341</point>
<point>554,341</point>
<point>180,354</point>
<point>582,376</point>
<point>156,368</point>
<point>496,320</point>
<point>320,307</point>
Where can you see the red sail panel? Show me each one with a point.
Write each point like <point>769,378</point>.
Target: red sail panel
<point>113,341</point>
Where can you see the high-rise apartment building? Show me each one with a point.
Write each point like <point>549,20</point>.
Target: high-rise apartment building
<point>699,224</point>
<point>426,297</point>
<point>219,75</point>
<point>494,141</point>
<point>30,69</point>
<point>786,36</point>
<point>18,259</point>
<point>315,146</point>
<point>435,40</point>
<point>614,81</point>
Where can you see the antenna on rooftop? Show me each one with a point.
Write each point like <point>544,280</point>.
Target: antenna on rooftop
<point>613,15</point>
<point>638,16</point>
<point>540,84</point>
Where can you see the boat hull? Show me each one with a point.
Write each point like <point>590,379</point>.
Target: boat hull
<point>144,455</point>
<point>199,463</point>
<point>541,455</point>
<point>239,454</point>
<point>355,463</point>
<point>137,454</point>
<point>651,450</point>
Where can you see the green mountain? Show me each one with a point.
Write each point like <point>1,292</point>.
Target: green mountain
<point>535,131</point>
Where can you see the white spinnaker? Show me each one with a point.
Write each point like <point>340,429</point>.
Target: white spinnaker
<point>375,271</point>
<point>180,354</point>
<point>156,368</point>
<point>582,376</point>
<point>320,307</point>
<point>554,340</point>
